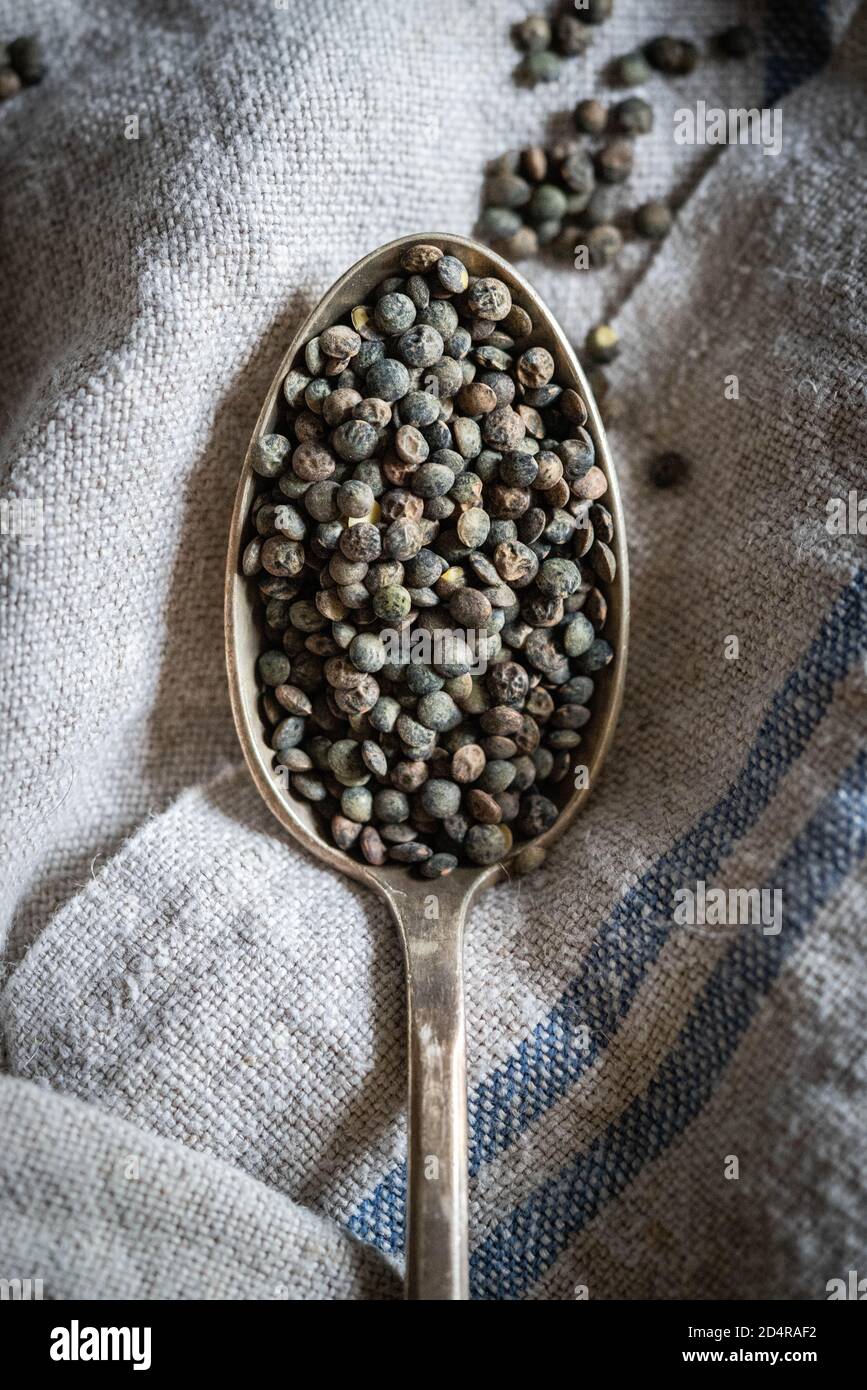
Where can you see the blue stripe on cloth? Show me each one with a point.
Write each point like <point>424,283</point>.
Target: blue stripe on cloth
<point>528,1242</point>
<point>546,1064</point>
<point>797,43</point>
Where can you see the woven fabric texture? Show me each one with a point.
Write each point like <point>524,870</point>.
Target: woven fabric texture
<point>203,1030</point>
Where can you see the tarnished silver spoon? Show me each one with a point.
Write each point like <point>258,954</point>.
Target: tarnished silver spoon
<point>436,1242</point>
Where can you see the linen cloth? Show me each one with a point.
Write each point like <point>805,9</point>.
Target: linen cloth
<point>203,1051</point>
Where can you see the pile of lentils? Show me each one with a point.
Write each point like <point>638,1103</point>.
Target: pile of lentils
<point>561,195</point>
<point>21,65</point>
<point>564,196</point>
<point>430,474</point>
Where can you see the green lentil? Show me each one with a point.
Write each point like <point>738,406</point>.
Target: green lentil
<point>498,774</point>
<point>311,788</point>
<point>488,296</point>
<point>578,175</point>
<point>452,274</point>
<point>394,313</point>
<point>633,116</point>
<point>484,844</point>
<point>440,797</point>
<point>274,667</point>
<point>596,656</point>
<point>507,192</point>
<point>344,832</point>
<point>653,220</point>
<point>420,257</point>
<point>371,845</point>
<point>538,814</point>
<point>388,379</point>
<point>420,346</point>
<point>269,455</point>
<point>352,499</point>
<point>356,803</point>
<point>390,806</point>
<point>367,652</point>
<point>543,66</point>
<point>288,733</point>
<point>548,203</point>
<point>438,711</point>
<point>631,70</point>
<point>392,603</point>
<point>578,636</point>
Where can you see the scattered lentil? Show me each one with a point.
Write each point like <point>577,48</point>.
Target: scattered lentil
<point>591,117</point>
<point>25,59</point>
<point>571,36</point>
<point>674,57</point>
<point>533,34</point>
<point>604,244</point>
<point>653,220</point>
<point>614,161</point>
<point>633,116</point>
<point>541,66</point>
<point>631,70</point>
<point>602,343</point>
<point>669,469</point>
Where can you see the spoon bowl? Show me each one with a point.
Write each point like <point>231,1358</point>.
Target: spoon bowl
<point>436,1257</point>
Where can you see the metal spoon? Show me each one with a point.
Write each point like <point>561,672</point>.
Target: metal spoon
<point>436,1245</point>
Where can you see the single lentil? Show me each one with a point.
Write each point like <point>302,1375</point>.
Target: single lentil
<point>674,57</point>
<point>591,117</point>
<point>669,470</point>
<point>631,70</point>
<point>602,343</point>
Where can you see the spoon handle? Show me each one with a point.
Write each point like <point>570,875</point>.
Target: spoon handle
<point>432,930</point>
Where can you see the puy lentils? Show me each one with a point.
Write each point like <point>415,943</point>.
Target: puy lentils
<point>562,197</point>
<point>566,198</point>
<point>433,486</point>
